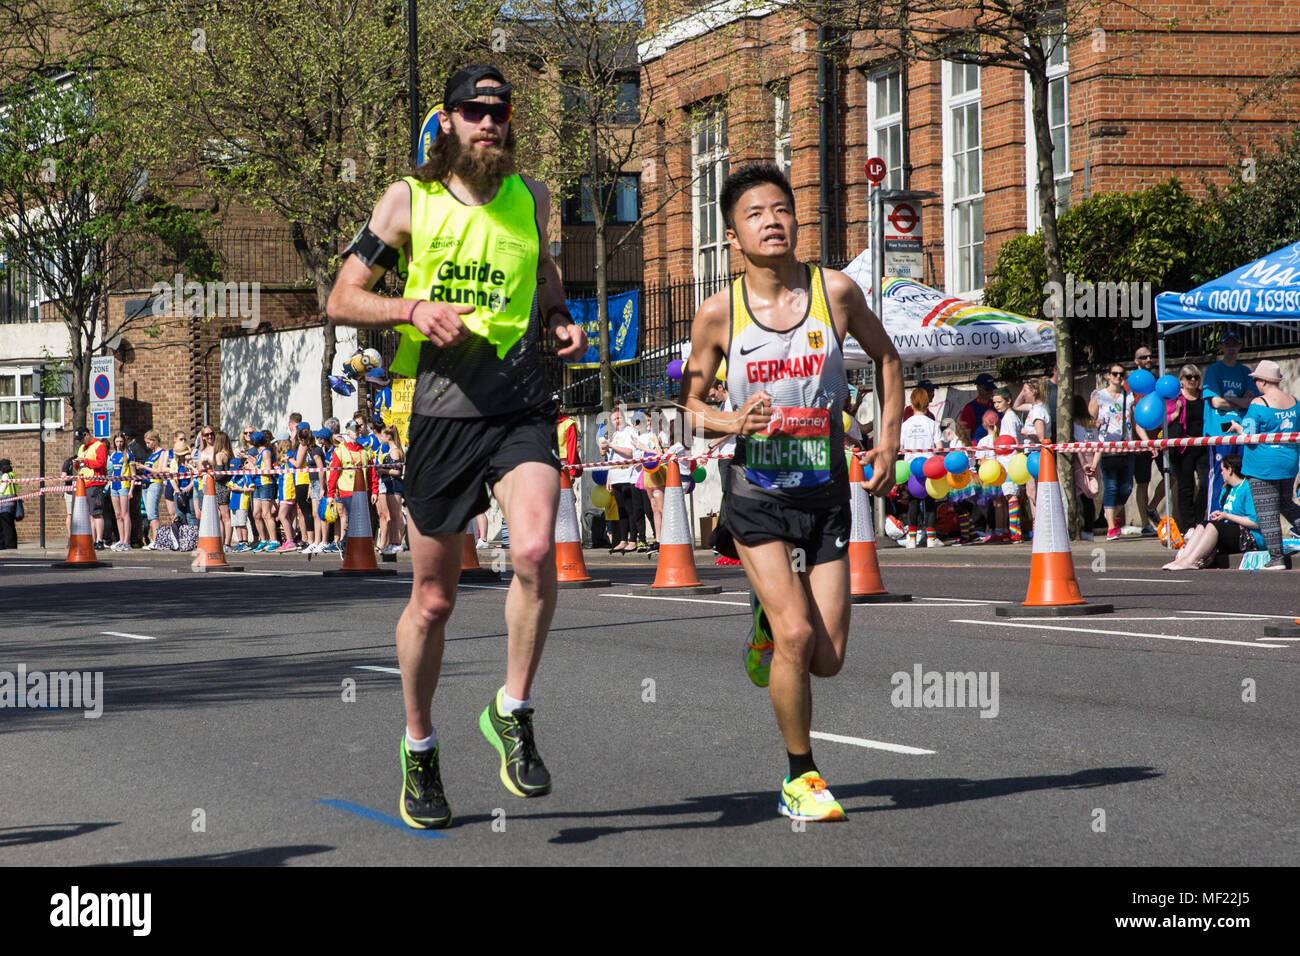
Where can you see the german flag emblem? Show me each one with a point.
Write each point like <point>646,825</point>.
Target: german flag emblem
<point>814,340</point>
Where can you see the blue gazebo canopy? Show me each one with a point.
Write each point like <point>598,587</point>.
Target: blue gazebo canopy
<point>1266,291</point>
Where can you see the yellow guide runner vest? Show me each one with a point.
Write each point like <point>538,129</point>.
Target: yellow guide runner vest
<point>482,256</point>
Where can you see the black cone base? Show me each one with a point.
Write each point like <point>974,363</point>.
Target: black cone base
<point>1056,610</point>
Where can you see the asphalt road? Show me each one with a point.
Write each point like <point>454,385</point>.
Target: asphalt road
<point>1164,733</point>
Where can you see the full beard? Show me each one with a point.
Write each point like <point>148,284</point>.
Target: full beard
<point>482,168</point>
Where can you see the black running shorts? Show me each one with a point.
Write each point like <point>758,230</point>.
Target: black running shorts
<point>822,534</point>
<point>451,463</point>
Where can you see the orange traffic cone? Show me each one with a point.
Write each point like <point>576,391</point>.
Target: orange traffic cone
<point>211,551</point>
<point>359,548</point>
<point>1053,589</point>
<point>865,585</point>
<point>81,549</point>
<point>676,544</point>
<point>570,567</point>
<point>471,572</point>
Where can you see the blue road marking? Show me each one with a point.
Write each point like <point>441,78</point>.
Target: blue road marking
<point>383,818</point>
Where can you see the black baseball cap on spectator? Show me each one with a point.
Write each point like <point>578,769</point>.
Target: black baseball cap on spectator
<point>926,384</point>
<point>81,432</point>
<point>464,85</point>
<point>986,380</point>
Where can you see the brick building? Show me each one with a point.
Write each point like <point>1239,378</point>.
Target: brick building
<point>1131,105</point>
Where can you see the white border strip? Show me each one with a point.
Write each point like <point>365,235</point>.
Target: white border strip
<point>873,744</point>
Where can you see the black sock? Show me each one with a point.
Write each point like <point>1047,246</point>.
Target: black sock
<point>800,764</point>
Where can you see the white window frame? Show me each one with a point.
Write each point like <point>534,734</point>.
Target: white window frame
<point>1059,74</point>
<point>781,122</point>
<point>16,372</point>
<point>880,125</point>
<point>952,241</point>
<point>38,292</point>
<point>716,161</point>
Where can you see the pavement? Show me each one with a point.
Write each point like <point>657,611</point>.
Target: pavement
<point>254,718</point>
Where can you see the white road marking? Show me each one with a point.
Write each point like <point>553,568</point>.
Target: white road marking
<point>1095,630</point>
<point>962,599</point>
<point>382,670</point>
<point>10,564</point>
<point>278,573</point>
<point>656,597</point>
<point>1107,577</point>
<point>1277,638</point>
<point>873,744</point>
<point>134,637</point>
<point>1237,614</point>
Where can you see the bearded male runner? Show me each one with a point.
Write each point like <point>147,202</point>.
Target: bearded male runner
<point>480,289</point>
<point>781,328</point>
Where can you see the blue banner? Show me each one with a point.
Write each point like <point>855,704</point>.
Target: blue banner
<point>623,313</point>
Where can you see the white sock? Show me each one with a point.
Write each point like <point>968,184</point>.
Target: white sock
<point>421,746</point>
<point>507,705</point>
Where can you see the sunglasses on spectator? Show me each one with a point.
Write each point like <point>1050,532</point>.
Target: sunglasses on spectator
<point>207,434</point>
<point>1116,371</point>
<point>473,111</point>
<point>1192,378</point>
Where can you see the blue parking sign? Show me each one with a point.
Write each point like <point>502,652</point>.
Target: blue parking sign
<point>100,424</point>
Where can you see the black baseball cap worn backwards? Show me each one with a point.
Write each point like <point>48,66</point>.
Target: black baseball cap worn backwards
<point>464,85</point>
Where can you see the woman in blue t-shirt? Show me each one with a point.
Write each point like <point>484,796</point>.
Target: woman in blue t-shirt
<point>1271,469</point>
<point>120,465</point>
<point>1233,529</point>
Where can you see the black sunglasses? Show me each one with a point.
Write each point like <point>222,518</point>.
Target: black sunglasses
<point>473,111</point>
<point>1113,372</point>
<point>1192,378</point>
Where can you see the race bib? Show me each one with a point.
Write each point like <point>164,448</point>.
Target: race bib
<point>794,451</point>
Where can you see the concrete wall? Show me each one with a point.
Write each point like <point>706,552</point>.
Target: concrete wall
<point>265,377</point>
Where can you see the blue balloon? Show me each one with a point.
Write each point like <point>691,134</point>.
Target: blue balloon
<point>916,486</point>
<point>1167,387</point>
<point>918,470</point>
<point>599,477</point>
<point>1032,464</point>
<point>956,462</point>
<point>675,370</point>
<point>867,472</point>
<point>1150,413</point>
<point>1141,382</point>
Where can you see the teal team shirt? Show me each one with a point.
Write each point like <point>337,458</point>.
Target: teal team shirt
<point>1223,382</point>
<point>1238,501</point>
<point>1270,462</point>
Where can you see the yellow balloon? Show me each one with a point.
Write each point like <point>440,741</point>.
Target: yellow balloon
<point>936,487</point>
<point>991,472</point>
<point>848,422</point>
<point>721,376</point>
<point>959,480</point>
<point>600,497</point>
<point>1018,468</point>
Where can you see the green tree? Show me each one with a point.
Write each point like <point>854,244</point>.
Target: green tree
<point>1256,215</point>
<point>77,209</point>
<point>1153,235</point>
<point>294,107</point>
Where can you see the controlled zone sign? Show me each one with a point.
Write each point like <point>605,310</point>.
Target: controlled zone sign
<point>103,390</point>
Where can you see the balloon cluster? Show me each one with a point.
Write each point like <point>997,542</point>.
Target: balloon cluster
<point>1149,412</point>
<point>934,476</point>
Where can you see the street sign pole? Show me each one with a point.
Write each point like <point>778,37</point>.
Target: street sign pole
<point>877,271</point>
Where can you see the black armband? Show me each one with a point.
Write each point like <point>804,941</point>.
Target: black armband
<point>371,250</point>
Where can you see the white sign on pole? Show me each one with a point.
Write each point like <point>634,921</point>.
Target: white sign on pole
<point>903,239</point>
<point>103,388</point>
